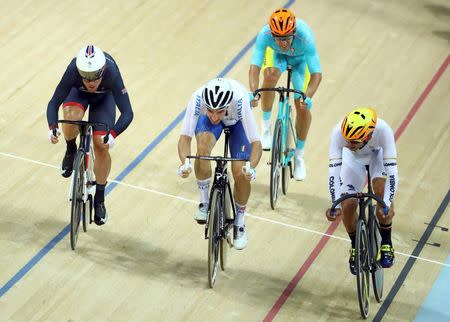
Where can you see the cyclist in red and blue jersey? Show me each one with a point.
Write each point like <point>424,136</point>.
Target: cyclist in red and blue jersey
<point>293,44</point>
<point>92,79</point>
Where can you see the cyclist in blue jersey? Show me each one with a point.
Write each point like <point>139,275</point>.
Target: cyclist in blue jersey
<point>293,44</point>
<point>221,103</point>
<point>92,79</point>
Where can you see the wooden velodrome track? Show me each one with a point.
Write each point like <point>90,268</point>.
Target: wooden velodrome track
<point>149,263</point>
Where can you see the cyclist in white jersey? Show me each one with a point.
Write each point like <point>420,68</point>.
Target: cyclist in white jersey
<point>362,139</point>
<point>218,104</point>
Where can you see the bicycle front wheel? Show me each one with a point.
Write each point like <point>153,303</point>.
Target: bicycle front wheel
<point>362,266</point>
<point>275,164</point>
<point>225,242</point>
<point>214,236</point>
<point>377,269</point>
<point>77,197</point>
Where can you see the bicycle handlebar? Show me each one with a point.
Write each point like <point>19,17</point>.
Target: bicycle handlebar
<point>360,195</point>
<point>87,123</point>
<point>214,158</point>
<point>280,90</point>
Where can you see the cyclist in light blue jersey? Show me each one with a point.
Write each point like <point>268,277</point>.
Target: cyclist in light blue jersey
<point>293,44</point>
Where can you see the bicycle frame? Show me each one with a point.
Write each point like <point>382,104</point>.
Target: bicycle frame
<point>221,183</point>
<point>85,145</point>
<point>284,114</point>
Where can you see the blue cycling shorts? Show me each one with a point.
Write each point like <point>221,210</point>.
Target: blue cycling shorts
<point>240,147</point>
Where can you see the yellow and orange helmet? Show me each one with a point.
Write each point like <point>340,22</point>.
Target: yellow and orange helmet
<point>282,22</point>
<point>359,124</point>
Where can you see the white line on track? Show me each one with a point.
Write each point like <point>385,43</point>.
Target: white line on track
<point>13,156</point>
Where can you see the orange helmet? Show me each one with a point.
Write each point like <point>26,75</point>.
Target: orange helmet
<point>359,124</point>
<point>282,22</point>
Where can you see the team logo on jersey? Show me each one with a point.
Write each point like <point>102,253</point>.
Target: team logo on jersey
<point>244,148</point>
<point>198,101</point>
<point>89,51</point>
<point>239,109</point>
<point>124,91</point>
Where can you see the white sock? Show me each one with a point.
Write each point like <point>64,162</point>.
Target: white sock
<point>265,125</point>
<point>203,186</point>
<point>299,153</point>
<point>240,212</point>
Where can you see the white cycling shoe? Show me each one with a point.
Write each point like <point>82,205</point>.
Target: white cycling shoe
<point>201,213</point>
<point>299,169</point>
<point>240,237</point>
<point>266,140</point>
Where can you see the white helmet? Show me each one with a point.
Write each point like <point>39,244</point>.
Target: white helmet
<point>217,94</point>
<point>91,62</point>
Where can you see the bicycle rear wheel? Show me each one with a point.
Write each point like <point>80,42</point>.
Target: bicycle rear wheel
<point>225,242</point>
<point>377,269</point>
<point>287,169</point>
<point>362,267</point>
<point>77,197</point>
<point>275,164</point>
<point>214,237</point>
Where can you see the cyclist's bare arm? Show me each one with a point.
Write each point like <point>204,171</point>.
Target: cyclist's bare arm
<point>253,76</point>
<point>251,131</point>
<point>189,123</point>
<point>313,84</point>
<point>184,147</point>
<point>255,155</point>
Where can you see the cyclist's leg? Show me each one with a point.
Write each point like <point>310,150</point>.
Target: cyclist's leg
<point>74,107</point>
<point>240,148</point>
<point>353,177</point>
<point>378,174</point>
<point>303,116</point>
<point>274,65</point>
<point>206,135</point>
<point>101,110</point>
